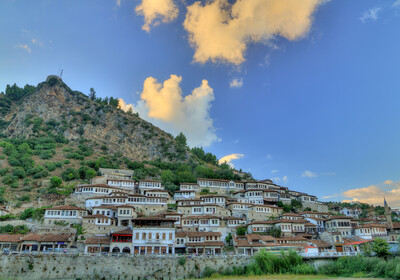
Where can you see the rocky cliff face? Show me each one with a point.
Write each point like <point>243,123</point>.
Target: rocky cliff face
<point>72,114</point>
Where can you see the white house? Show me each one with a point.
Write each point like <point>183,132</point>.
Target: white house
<point>149,184</point>
<point>184,194</point>
<point>349,212</point>
<point>65,214</point>
<point>123,184</point>
<point>153,235</point>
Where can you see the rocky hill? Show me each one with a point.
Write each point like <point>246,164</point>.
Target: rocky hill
<point>53,138</point>
<point>73,115</point>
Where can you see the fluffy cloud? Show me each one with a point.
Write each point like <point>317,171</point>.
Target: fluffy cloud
<point>227,159</point>
<point>236,83</point>
<point>123,106</point>
<point>371,14</point>
<point>396,4</point>
<point>374,194</point>
<point>219,30</point>
<point>165,106</point>
<point>309,174</point>
<point>155,11</point>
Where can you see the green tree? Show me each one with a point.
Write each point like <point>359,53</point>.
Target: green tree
<point>296,203</point>
<point>240,231</point>
<point>171,187</point>
<point>24,148</point>
<point>228,240</point>
<point>185,177</point>
<point>380,247</point>
<point>55,182</point>
<point>90,174</point>
<point>180,145</point>
<point>8,148</point>
<point>167,176</point>
<point>92,94</point>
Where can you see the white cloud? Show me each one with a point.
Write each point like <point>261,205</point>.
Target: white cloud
<point>165,106</point>
<point>396,4</point>
<point>236,83</point>
<point>371,14</point>
<point>274,171</point>
<point>269,157</point>
<point>309,174</point>
<point>374,194</point>
<point>156,11</point>
<point>25,47</point>
<point>118,3</point>
<point>227,159</point>
<point>279,180</point>
<point>220,31</point>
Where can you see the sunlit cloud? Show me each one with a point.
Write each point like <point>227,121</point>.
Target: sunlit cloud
<point>156,11</point>
<point>165,106</point>
<point>236,83</point>
<point>374,194</point>
<point>274,171</point>
<point>123,106</point>
<point>331,196</point>
<point>221,31</point>
<point>371,14</point>
<point>227,159</point>
<point>25,47</point>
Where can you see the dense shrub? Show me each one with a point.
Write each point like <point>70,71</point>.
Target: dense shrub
<point>47,154</point>
<point>70,174</point>
<point>365,266</point>
<point>19,172</point>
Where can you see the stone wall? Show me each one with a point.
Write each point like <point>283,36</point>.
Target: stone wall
<point>32,267</point>
<point>316,206</point>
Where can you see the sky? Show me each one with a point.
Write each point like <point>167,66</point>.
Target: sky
<point>305,93</point>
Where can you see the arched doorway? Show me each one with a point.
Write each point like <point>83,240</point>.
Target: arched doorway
<point>116,250</point>
<point>126,250</point>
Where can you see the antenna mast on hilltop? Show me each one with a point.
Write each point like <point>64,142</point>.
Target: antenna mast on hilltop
<point>61,73</point>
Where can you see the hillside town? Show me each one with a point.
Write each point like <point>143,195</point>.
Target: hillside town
<point>116,215</point>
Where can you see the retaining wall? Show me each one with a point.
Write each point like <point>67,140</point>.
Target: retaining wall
<point>32,267</point>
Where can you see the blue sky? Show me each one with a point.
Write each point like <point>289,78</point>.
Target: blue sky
<point>316,109</point>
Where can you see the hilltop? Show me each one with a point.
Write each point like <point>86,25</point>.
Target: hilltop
<point>50,130</point>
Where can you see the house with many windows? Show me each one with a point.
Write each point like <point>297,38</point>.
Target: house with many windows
<point>64,214</point>
<point>199,243</point>
<point>153,236</point>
